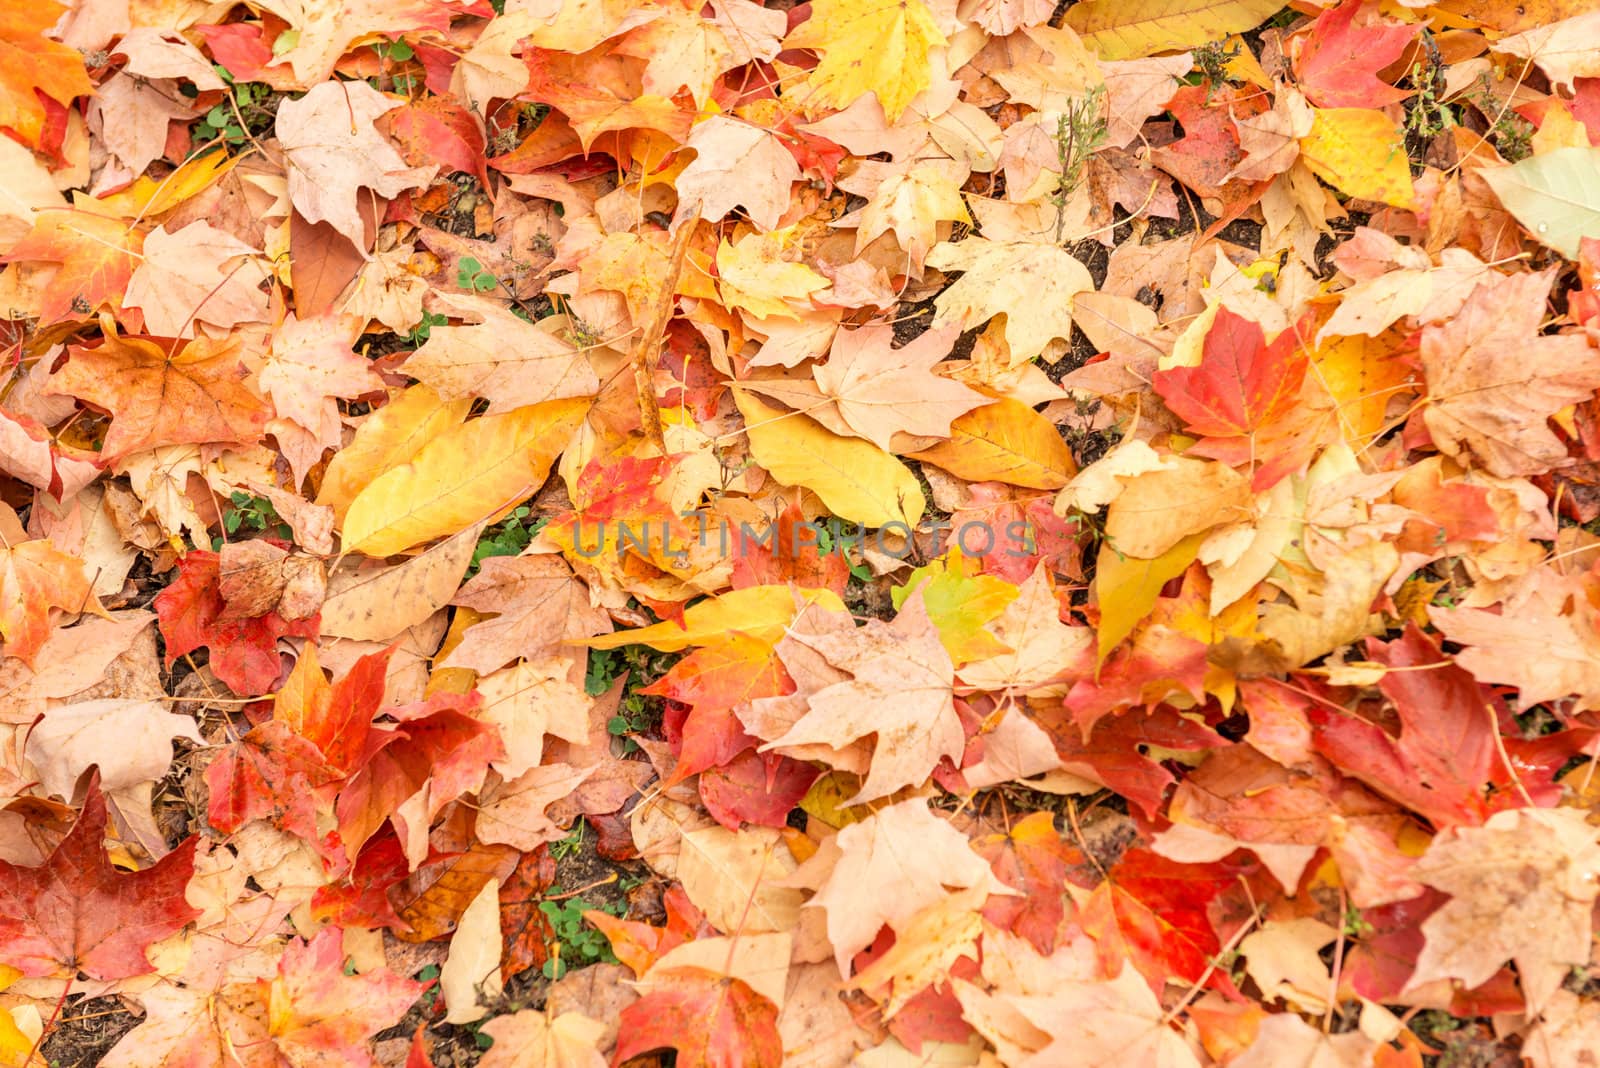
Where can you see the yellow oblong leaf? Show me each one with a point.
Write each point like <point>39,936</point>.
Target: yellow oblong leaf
<point>1116,29</point>
<point>855,479</point>
<point>761,612</point>
<point>1361,152</point>
<point>1127,586</point>
<point>390,436</point>
<point>151,196</point>
<point>468,474</point>
<point>1006,441</point>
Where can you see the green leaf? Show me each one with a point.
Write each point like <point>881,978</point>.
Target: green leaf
<point>1554,195</point>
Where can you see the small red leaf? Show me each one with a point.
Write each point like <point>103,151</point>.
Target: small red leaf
<point>1338,63</point>
<point>244,652</point>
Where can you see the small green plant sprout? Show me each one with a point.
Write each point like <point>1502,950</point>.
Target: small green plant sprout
<point>394,51</point>
<point>1211,61</point>
<point>572,844</point>
<point>1354,925</point>
<point>577,944</point>
<point>431,995</point>
<point>636,713</point>
<point>1080,133</point>
<point>249,109</point>
<point>827,542</point>
<point>632,718</point>
<point>508,537</point>
<point>422,330</point>
<point>471,275</point>
<point>1428,115</point>
<point>249,514</point>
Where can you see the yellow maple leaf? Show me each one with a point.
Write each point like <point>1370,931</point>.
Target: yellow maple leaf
<point>754,276</point>
<point>869,46</point>
<point>1361,152</point>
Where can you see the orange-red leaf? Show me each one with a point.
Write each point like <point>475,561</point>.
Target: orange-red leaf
<point>244,652</point>
<point>35,577</point>
<point>195,395</point>
<point>95,254</point>
<point>76,913</point>
<point>711,1020</point>
<point>1338,63</point>
<point>32,65</point>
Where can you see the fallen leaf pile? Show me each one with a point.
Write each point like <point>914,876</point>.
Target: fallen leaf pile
<point>859,532</point>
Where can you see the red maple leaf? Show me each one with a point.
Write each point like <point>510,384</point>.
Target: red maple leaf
<point>336,718</point>
<point>1160,662</point>
<point>710,682</point>
<point>1444,753</point>
<point>320,1014</point>
<point>76,913</point>
<point>1209,150</point>
<point>431,129</point>
<point>1154,913</point>
<point>710,1019</point>
<point>640,945</point>
<point>788,552</point>
<point>759,788</point>
<point>526,933</point>
<point>96,256</point>
<point>1034,858</point>
<point>361,899</point>
<point>1117,751</point>
<point>1244,398</point>
<point>438,741</point>
<point>1338,61</point>
<point>932,1014</point>
<point>1380,965</point>
<point>269,774</point>
<point>244,652</point>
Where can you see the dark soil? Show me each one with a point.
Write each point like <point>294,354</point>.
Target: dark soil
<point>86,1031</point>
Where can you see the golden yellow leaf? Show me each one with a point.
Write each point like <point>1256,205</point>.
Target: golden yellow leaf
<point>16,1043</point>
<point>1158,509</point>
<point>855,479</point>
<point>1117,29</point>
<point>155,196</point>
<point>1361,152</point>
<point>869,46</point>
<point>467,474</point>
<point>1006,441</point>
<point>761,612</point>
<point>754,276</point>
<point>1128,586</point>
<point>1361,374</point>
<point>390,436</point>
<point>1032,284</point>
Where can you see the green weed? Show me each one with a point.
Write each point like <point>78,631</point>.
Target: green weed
<point>577,945</point>
<point>470,274</point>
<point>508,537</point>
<point>1080,132</point>
<point>637,713</point>
<point>250,514</point>
<point>250,111</point>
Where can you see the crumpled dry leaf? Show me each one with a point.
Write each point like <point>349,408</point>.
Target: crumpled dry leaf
<point>333,151</point>
<point>1522,889</point>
